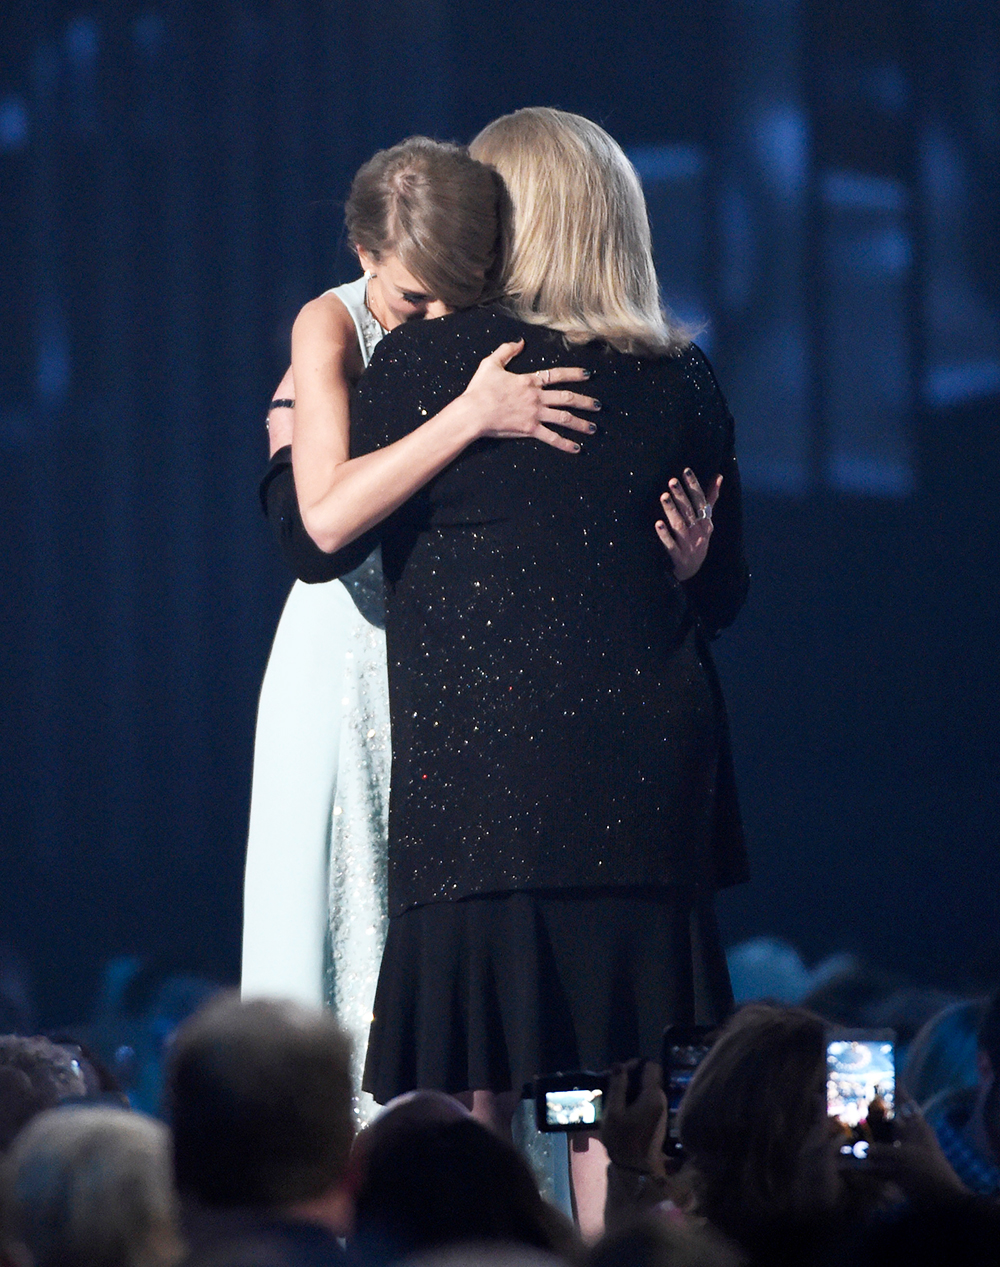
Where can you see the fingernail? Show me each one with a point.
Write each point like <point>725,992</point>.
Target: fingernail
<point>576,448</point>
<point>586,373</point>
<point>675,483</point>
<point>596,404</point>
<point>660,523</point>
<point>689,473</point>
<point>592,428</point>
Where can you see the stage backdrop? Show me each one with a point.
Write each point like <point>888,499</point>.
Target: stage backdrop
<point>822,181</point>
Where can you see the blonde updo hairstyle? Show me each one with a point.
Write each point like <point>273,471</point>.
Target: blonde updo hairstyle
<point>580,257</point>
<point>438,210</point>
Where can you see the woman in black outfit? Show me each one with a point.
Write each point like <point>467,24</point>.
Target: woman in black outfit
<point>563,805</point>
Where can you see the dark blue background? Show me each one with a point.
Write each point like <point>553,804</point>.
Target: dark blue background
<point>822,179</point>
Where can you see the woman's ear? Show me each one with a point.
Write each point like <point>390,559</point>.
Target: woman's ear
<point>367,261</point>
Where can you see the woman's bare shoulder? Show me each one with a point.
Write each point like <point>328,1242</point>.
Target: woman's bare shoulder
<point>324,328</point>
<point>327,314</point>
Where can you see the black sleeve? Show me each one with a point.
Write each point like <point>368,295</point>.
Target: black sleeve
<point>301,553</point>
<point>719,588</point>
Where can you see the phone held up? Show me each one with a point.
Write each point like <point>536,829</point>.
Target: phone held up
<point>684,1048</point>
<point>861,1089</point>
<point>575,1101</point>
<point>570,1101</point>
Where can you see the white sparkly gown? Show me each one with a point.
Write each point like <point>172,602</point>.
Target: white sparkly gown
<point>314,905</point>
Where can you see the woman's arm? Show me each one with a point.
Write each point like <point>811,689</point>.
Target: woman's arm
<point>303,556</point>
<point>341,498</point>
<point>280,505</point>
<point>281,415</point>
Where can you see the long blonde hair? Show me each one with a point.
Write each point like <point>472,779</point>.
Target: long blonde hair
<point>579,257</point>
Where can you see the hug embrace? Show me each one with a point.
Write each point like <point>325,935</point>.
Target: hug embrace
<point>509,487</point>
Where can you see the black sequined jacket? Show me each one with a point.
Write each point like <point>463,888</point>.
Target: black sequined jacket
<point>557,720</point>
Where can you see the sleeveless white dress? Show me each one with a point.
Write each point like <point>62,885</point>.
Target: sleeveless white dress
<point>314,901</point>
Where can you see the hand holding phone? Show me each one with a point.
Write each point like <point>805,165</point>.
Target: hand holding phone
<point>635,1117</point>
<point>914,1161</point>
<point>576,1101</point>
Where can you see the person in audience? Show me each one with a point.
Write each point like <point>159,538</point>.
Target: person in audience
<point>767,968</point>
<point>432,1176</point>
<point>35,1074</point>
<point>659,1241</point>
<point>408,1112</point>
<point>102,1085</point>
<point>754,1127</point>
<point>90,1187</point>
<point>967,1122</point>
<point>763,1155</point>
<point>259,1096</point>
<point>942,1057</point>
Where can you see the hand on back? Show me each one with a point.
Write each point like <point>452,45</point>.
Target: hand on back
<point>686,528</point>
<point>513,406</point>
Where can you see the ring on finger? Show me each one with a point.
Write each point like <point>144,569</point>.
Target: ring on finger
<point>705,512</point>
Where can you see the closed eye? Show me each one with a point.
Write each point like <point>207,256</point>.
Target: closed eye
<point>412,298</point>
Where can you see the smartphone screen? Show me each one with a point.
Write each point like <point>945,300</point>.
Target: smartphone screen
<point>684,1048</point>
<point>861,1085</point>
<point>569,1102</point>
<point>580,1107</point>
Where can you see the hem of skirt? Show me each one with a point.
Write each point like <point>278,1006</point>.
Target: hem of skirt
<point>704,889</point>
<point>526,1092</point>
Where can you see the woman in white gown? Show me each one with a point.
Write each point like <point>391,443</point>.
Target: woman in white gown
<point>424,219</point>
<point>313,931</point>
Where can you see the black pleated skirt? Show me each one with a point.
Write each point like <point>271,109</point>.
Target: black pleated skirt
<point>488,992</point>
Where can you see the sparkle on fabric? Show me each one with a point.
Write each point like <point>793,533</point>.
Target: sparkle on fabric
<point>552,687</point>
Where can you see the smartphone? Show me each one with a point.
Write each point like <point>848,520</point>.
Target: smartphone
<point>861,1088</point>
<point>570,1101</point>
<point>684,1048</point>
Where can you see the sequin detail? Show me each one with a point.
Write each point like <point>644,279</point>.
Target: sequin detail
<point>557,721</point>
<point>357,864</point>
